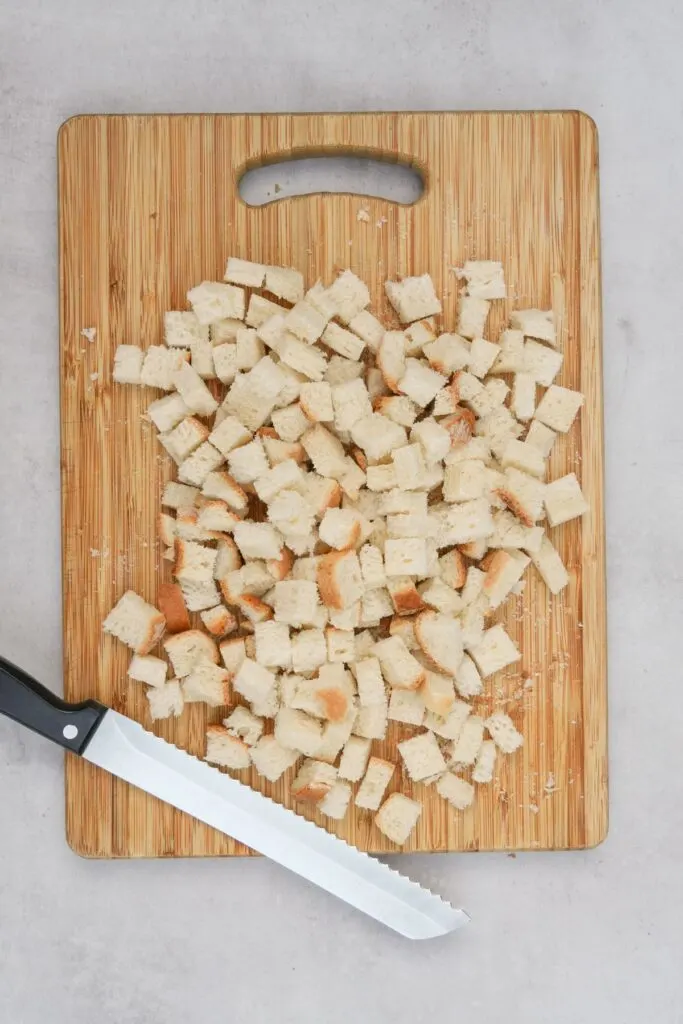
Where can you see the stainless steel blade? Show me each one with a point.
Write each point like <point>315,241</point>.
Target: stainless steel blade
<point>125,749</point>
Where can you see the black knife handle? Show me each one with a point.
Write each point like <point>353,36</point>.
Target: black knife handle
<point>26,701</point>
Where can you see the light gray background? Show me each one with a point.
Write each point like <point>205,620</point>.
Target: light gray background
<point>584,937</point>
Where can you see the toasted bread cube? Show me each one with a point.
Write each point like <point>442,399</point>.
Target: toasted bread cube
<point>187,648</point>
<point>197,466</point>
<point>504,570</point>
<point>495,651</point>
<point>354,758</point>
<point>137,624</point>
<point>397,817</point>
<point>367,327</point>
<point>464,481</point>
<point>381,478</point>
<point>405,557</point>
<point>340,645</point>
<point>535,323</point>
<point>420,382</point>
<point>285,283</point>
<point>336,802</point>
<point>145,668</point>
<point>450,726</point>
<point>177,495</point>
<point>182,329</point>
<point>523,495</point>
<point>467,679</point>
<point>465,749</point>
<point>315,400</point>
<point>433,438</point>
<point>472,316</point>
<point>558,408</point>
<point>541,437</point>
<point>440,637</point>
<point>344,343</point>
<point>295,602</point>
<point>453,569</point>
<point>273,645</point>
<point>372,567</point>
<point>485,763</point>
<point>159,366</point>
<point>511,358</point>
<point>371,721</point>
<point>503,732</point>
<point>167,412</point>
<point>183,439</point>
<point>218,620</point>
<point>523,456</point>
<point>377,436</point>
<point>464,522</point>
<point>305,322</point>
<point>304,358</point>
<point>213,301</point>
<point>248,462</point>
<point>438,693</point>
<point>418,334</point>
<point>348,295</point>
<point>457,791</point>
<point>374,784</point>
<point>564,500</point>
<point>253,681</point>
<point>245,725</point>
<point>541,363</point>
<point>233,653</point>
<point>484,278</point>
<point>406,706</point>
<point>448,354</point>
<point>409,465</point>
<point>225,362</point>
<point>339,579</point>
<point>398,665</point>
<point>370,682</point>
<point>351,402</point>
<point>413,298</point>
<point>314,781</point>
<point>165,701</point>
<point>523,396</point>
<point>271,759</point>
<point>399,408</point>
<point>207,683</point>
<point>550,567</point>
<point>290,422</point>
<point>238,271</point>
<point>325,451</point>
<point>257,540</point>
<point>202,359</point>
<point>296,730</point>
<point>422,756</point>
<point>439,595</point>
<point>309,650</point>
<point>391,358</point>
<point>483,355</point>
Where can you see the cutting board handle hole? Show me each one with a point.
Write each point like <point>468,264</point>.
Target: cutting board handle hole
<point>355,175</point>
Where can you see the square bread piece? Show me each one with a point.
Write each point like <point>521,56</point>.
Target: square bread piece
<point>558,408</point>
<point>422,756</point>
<point>374,784</point>
<point>564,500</point>
<point>397,817</point>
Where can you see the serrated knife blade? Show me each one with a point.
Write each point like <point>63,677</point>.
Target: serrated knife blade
<point>123,747</point>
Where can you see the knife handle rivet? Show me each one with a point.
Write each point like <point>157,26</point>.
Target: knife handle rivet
<point>69,732</point>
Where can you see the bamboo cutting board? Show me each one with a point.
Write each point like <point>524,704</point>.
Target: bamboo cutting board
<point>149,207</point>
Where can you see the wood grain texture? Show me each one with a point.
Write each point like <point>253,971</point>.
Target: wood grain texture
<point>148,207</point>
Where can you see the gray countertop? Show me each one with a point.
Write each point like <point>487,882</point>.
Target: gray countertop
<point>581,937</point>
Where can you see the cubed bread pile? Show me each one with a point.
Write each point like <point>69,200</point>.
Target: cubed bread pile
<point>354,501</point>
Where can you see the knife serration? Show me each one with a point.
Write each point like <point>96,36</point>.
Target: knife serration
<point>124,748</point>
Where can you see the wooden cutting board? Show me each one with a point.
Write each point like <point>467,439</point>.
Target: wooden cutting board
<point>148,207</point>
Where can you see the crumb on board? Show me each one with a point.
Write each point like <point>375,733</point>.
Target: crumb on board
<point>363,215</point>
<point>89,333</point>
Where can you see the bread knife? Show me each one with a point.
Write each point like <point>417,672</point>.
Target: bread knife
<point>123,747</point>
